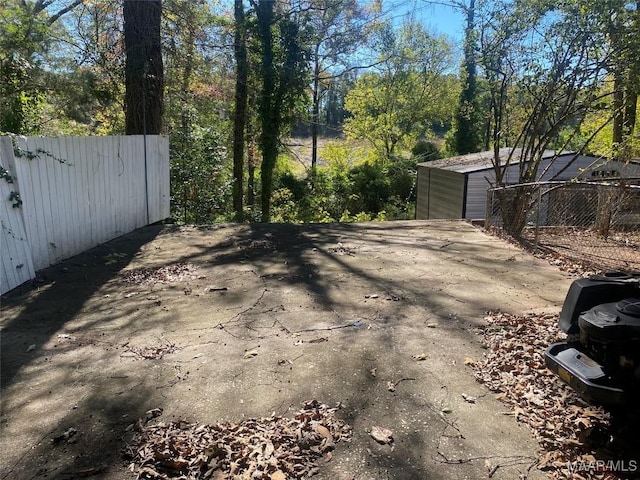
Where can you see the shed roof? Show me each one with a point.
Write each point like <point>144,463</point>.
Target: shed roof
<point>474,162</point>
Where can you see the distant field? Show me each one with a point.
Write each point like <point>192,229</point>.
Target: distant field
<point>300,148</point>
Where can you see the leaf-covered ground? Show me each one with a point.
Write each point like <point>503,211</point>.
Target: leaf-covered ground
<point>562,423</point>
<point>273,448</point>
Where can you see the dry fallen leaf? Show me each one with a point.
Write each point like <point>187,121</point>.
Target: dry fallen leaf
<point>322,430</point>
<point>251,353</point>
<point>469,398</point>
<point>381,435</point>
<point>153,413</point>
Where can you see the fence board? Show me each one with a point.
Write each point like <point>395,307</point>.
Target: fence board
<point>77,192</point>
<point>17,264</point>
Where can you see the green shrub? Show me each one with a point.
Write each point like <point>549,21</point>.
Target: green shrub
<point>200,177</point>
<point>424,151</point>
<point>371,187</point>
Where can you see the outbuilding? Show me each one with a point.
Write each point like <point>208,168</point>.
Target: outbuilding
<point>456,187</point>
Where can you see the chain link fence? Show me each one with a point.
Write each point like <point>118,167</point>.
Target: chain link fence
<point>596,224</point>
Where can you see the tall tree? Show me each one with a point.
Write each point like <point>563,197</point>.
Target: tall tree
<point>26,29</point>
<point>468,122</point>
<point>335,29</point>
<point>144,72</point>
<point>406,93</point>
<point>623,23</point>
<point>240,109</point>
<point>269,109</point>
<point>283,68</point>
<point>545,66</point>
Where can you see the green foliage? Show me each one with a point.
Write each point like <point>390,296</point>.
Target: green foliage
<point>402,179</point>
<point>285,209</point>
<point>468,120</point>
<point>425,151</point>
<point>393,106</point>
<point>342,191</point>
<point>200,177</point>
<point>19,103</point>
<point>26,32</point>
<point>371,188</point>
<point>282,63</point>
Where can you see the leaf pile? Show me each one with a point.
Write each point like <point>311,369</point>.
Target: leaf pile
<point>576,267</point>
<point>273,448</point>
<point>514,368</point>
<point>169,273</point>
<point>149,352</point>
<point>342,250</point>
<point>254,245</point>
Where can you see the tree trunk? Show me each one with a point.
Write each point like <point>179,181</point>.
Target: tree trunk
<point>240,112</point>
<point>251,159</point>
<point>251,176</point>
<point>633,80</point>
<point>467,134</point>
<point>269,106</point>
<point>618,109</point>
<point>144,73</point>
<point>185,100</point>
<point>514,209</point>
<point>315,116</point>
<point>630,109</point>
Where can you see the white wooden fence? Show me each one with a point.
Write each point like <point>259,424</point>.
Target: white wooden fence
<point>61,196</point>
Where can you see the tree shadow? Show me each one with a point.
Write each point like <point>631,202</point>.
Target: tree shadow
<point>34,317</point>
<point>326,264</point>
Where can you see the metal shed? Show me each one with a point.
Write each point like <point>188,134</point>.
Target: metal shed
<point>456,187</point>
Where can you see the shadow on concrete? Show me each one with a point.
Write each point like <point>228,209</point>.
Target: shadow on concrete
<point>323,262</point>
<point>30,339</point>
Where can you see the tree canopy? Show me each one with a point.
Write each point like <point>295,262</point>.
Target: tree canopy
<point>407,92</point>
<point>229,81</point>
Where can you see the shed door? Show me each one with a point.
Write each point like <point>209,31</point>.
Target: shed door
<point>422,198</point>
<point>446,194</point>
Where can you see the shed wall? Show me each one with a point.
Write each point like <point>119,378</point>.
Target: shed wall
<point>477,185</point>
<point>422,197</point>
<point>446,194</point>
<point>441,192</point>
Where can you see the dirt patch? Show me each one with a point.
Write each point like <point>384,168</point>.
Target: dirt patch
<point>582,249</point>
<point>233,322</point>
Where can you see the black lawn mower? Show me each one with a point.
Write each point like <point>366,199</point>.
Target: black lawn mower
<point>600,358</point>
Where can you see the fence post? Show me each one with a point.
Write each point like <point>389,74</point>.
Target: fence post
<point>488,208</point>
<point>537,236</point>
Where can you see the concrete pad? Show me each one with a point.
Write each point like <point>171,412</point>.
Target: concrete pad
<point>329,312</point>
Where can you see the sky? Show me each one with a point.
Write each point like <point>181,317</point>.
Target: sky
<point>437,18</point>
